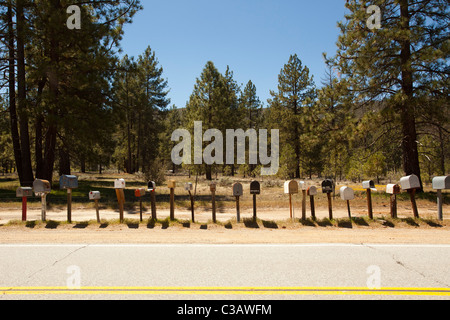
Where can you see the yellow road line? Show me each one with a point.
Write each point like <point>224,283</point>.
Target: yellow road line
<point>438,292</point>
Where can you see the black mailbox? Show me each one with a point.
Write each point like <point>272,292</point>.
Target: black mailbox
<point>255,187</point>
<point>327,186</point>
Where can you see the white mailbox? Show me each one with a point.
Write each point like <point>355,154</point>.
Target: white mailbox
<point>369,184</point>
<point>151,186</point>
<point>290,187</point>
<point>24,192</point>
<point>393,189</point>
<point>238,190</point>
<point>41,186</point>
<point>94,195</point>
<point>347,193</point>
<point>441,183</point>
<point>312,191</point>
<point>119,184</point>
<point>410,182</point>
<point>189,186</point>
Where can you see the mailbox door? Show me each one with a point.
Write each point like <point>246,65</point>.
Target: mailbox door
<point>238,190</point>
<point>347,193</point>
<point>327,186</point>
<point>368,184</point>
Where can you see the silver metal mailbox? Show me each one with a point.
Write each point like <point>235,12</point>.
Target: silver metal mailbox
<point>41,186</point>
<point>119,184</point>
<point>347,193</point>
<point>189,186</point>
<point>291,187</point>
<point>369,184</point>
<point>24,192</point>
<point>410,182</point>
<point>441,183</point>
<point>312,191</point>
<point>238,190</point>
<point>94,195</point>
<point>393,189</point>
<point>327,186</point>
<point>255,187</point>
<point>68,182</point>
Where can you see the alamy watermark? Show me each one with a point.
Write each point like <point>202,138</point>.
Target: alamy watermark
<point>216,152</point>
<point>74,20</point>
<point>374,21</point>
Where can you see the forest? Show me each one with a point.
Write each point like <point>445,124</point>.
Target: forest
<point>71,100</point>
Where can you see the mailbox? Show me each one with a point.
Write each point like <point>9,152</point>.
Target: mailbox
<point>139,192</point>
<point>369,184</point>
<point>41,186</point>
<point>119,184</point>
<point>255,187</point>
<point>347,193</point>
<point>188,186</point>
<point>151,186</point>
<point>327,186</point>
<point>393,189</point>
<point>290,187</point>
<point>24,192</point>
<point>312,191</point>
<point>441,183</point>
<point>238,190</point>
<point>410,182</point>
<point>302,185</point>
<point>171,184</point>
<point>213,187</point>
<point>94,195</point>
<point>68,182</point>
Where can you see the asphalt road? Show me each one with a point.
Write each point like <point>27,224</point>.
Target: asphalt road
<point>322,271</point>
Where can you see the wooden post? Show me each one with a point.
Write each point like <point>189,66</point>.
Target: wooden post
<point>97,211</point>
<point>330,206</point>
<point>121,199</point>
<point>192,206</point>
<point>44,207</point>
<point>394,206</point>
<point>172,204</point>
<point>24,208</point>
<point>238,210</point>
<point>369,203</point>
<point>439,204</point>
<point>290,207</point>
<point>140,209</point>
<point>153,201</point>
<point>213,196</point>
<point>412,194</point>
<point>313,208</point>
<point>304,205</point>
<point>69,205</point>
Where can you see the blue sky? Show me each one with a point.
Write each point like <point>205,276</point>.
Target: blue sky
<point>254,37</point>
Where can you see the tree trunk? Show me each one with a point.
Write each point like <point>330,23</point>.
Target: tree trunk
<point>27,170</point>
<point>408,120</point>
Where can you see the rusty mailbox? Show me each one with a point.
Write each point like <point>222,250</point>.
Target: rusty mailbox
<point>393,190</point>
<point>42,188</point>
<point>291,187</point>
<point>312,191</point>
<point>238,190</point>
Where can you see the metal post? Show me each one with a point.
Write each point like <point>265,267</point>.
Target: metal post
<point>69,205</point>
<point>313,208</point>
<point>330,206</point>
<point>304,205</point>
<point>254,208</point>
<point>192,206</point>
<point>214,206</point>
<point>140,208</point>
<point>290,207</point>
<point>349,211</point>
<point>439,204</point>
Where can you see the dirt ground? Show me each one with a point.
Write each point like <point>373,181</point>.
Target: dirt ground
<point>273,227</point>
